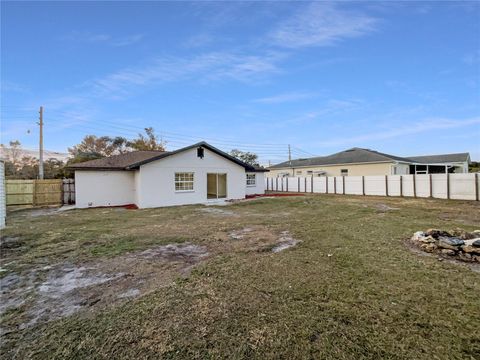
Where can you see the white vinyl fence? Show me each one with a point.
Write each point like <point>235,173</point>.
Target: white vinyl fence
<point>442,186</point>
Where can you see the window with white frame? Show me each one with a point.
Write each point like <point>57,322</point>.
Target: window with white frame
<point>299,172</point>
<point>251,179</point>
<point>344,172</point>
<point>184,181</point>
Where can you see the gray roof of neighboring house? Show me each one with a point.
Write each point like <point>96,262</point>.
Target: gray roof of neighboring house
<point>134,159</point>
<point>354,155</point>
<point>445,158</point>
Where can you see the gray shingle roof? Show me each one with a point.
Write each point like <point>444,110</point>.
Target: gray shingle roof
<point>133,160</point>
<point>117,162</point>
<point>354,155</point>
<point>359,155</point>
<point>445,158</point>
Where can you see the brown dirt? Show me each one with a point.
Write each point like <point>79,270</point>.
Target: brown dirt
<point>56,291</point>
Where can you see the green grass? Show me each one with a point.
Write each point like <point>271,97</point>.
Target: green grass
<point>372,298</point>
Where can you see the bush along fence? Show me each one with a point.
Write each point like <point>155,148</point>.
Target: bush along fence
<point>40,192</point>
<point>441,186</point>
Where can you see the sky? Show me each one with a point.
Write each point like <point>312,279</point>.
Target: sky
<point>398,77</point>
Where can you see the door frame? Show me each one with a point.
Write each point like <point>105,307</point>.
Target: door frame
<point>216,192</point>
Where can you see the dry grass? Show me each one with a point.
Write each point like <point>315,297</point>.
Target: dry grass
<point>371,298</point>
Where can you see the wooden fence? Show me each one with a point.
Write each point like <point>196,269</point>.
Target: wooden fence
<point>39,192</point>
<point>442,186</point>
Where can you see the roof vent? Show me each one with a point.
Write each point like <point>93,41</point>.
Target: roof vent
<point>200,152</point>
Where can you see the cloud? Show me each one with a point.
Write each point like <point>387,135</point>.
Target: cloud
<point>430,124</point>
<point>88,37</point>
<point>287,97</point>
<point>472,59</point>
<point>10,86</point>
<point>127,40</point>
<point>204,68</point>
<point>321,24</point>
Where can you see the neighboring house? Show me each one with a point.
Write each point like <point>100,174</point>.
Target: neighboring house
<point>358,161</point>
<point>199,173</point>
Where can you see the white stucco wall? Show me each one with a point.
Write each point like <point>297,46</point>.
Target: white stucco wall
<point>259,187</point>
<point>104,188</point>
<point>3,210</point>
<point>156,181</point>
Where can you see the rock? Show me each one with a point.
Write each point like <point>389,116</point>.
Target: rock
<point>476,243</point>
<point>465,256</point>
<point>450,243</point>
<point>429,247</point>
<point>476,258</point>
<point>471,249</point>
<point>418,236</point>
<point>462,234</point>
<point>448,252</point>
<point>436,233</point>
<point>471,241</point>
<point>428,239</point>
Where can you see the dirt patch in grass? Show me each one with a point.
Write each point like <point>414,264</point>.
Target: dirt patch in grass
<point>217,211</point>
<point>52,292</point>
<point>57,291</point>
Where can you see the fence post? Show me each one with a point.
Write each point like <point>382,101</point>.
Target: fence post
<point>401,186</point>
<point>298,184</point>
<point>430,186</point>
<point>363,185</point>
<point>414,186</point>
<point>34,199</point>
<point>276,183</point>
<point>343,184</point>
<point>63,192</point>
<point>312,184</point>
<point>326,184</point>
<point>334,184</point>
<point>287,184</point>
<point>305,187</point>
<point>476,186</point>
<point>448,186</point>
<point>386,185</point>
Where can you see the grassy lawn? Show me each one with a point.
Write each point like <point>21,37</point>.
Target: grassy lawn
<point>350,289</point>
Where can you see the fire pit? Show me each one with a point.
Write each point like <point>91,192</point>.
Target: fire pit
<point>458,243</point>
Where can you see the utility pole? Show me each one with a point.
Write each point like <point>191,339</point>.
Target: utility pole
<point>40,164</point>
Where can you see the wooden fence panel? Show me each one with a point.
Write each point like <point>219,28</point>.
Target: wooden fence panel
<point>34,192</point>
<point>69,191</point>
<point>19,192</point>
<point>48,192</point>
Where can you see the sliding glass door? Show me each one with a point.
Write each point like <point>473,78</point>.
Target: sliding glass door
<point>216,186</point>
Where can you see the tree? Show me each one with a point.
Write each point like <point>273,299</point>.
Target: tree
<point>474,166</point>
<point>101,146</point>
<point>13,152</point>
<point>245,156</point>
<point>147,142</point>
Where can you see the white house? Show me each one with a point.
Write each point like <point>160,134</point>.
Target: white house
<point>195,174</point>
<point>3,211</point>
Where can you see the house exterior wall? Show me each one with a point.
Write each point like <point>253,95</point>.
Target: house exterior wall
<point>104,188</point>
<point>335,170</point>
<point>259,187</point>
<point>3,211</point>
<point>156,182</point>
<point>400,169</point>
